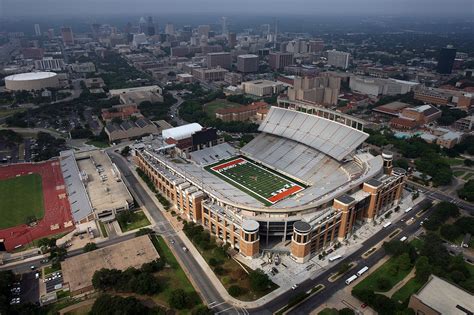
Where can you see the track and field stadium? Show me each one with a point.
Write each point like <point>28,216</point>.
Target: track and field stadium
<point>33,203</point>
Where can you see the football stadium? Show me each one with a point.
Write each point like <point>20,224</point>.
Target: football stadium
<point>302,184</point>
<point>33,203</point>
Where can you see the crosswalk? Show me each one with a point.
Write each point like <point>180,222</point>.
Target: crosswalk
<point>224,308</point>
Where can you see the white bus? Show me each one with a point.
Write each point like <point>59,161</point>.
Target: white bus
<point>408,209</point>
<point>352,278</point>
<point>403,239</point>
<point>362,271</point>
<point>386,225</point>
<point>333,258</point>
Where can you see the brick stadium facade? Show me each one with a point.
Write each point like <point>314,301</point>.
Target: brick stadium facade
<point>372,188</point>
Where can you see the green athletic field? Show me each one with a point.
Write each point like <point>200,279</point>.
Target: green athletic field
<point>20,198</point>
<point>255,180</point>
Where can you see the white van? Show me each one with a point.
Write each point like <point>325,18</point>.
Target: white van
<point>403,239</point>
<point>362,271</point>
<point>386,225</point>
<point>352,278</point>
<point>333,258</point>
<point>408,209</point>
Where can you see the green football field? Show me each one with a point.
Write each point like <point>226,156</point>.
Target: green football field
<point>20,197</point>
<point>261,183</point>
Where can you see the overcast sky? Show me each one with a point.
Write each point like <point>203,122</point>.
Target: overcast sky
<point>12,8</point>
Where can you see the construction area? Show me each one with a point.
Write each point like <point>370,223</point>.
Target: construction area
<point>78,270</point>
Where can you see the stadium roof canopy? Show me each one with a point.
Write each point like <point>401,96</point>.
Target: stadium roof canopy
<point>181,132</point>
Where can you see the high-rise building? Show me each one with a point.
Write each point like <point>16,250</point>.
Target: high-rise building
<point>169,29</point>
<point>37,30</point>
<point>51,33</point>
<point>247,63</point>
<point>316,45</point>
<point>203,30</point>
<point>219,59</point>
<point>338,59</point>
<point>224,25</point>
<point>67,35</point>
<point>232,39</point>
<point>446,60</point>
<point>150,27</point>
<point>142,25</point>
<point>279,60</point>
<point>318,90</point>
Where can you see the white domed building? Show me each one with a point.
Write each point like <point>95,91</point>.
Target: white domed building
<point>31,81</point>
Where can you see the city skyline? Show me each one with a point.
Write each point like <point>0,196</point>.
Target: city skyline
<point>457,8</point>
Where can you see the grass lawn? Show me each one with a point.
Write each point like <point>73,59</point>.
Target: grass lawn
<point>20,198</point>
<point>50,269</point>
<point>103,229</point>
<point>7,112</point>
<point>383,271</point>
<point>234,274</point>
<point>138,221</point>
<point>454,161</point>
<point>458,173</point>
<point>98,144</point>
<point>404,293</point>
<point>468,176</point>
<point>171,278</point>
<point>329,311</point>
<point>210,108</point>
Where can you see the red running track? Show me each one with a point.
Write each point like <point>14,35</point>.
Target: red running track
<point>221,166</point>
<point>57,211</point>
<point>284,194</point>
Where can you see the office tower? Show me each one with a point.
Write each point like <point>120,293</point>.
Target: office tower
<point>224,25</point>
<point>232,39</point>
<point>150,26</point>
<point>51,33</point>
<point>169,29</point>
<point>37,30</point>
<point>279,60</point>
<point>142,25</point>
<point>446,60</point>
<point>315,45</point>
<point>219,59</point>
<point>203,30</point>
<point>128,28</point>
<point>338,59</point>
<point>67,35</point>
<point>247,63</point>
<point>318,90</point>
<point>187,28</point>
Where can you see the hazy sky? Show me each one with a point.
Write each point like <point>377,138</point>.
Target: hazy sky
<point>12,8</point>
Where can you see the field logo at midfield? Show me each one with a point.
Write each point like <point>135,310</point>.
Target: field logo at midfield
<point>286,189</point>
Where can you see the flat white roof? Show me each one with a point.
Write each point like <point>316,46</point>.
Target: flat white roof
<point>247,56</point>
<point>181,132</point>
<point>444,297</point>
<point>28,76</point>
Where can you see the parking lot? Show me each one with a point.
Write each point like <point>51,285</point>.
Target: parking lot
<point>53,281</point>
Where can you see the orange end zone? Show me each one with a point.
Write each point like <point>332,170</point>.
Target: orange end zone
<point>221,166</point>
<point>285,193</point>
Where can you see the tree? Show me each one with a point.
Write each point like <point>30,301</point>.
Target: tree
<point>404,262</point>
<point>346,311</point>
<point>467,192</point>
<point>144,231</point>
<point>179,299</point>
<point>383,284</point>
<point>259,281</point>
<point>89,247</point>
<point>235,290</point>
<point>450,232</point>
<point>110,305</point>
<point>202,310</point>
<point>423,269</point>
<point>125,151</point>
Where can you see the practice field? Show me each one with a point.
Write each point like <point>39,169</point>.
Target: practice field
<point>261,183</point>
<point>212,107</point>
<point>20,197</point>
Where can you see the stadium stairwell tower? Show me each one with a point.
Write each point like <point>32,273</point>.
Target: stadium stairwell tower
<point>250,239</point>
<point>301,241</point>
<point>387,162</point>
